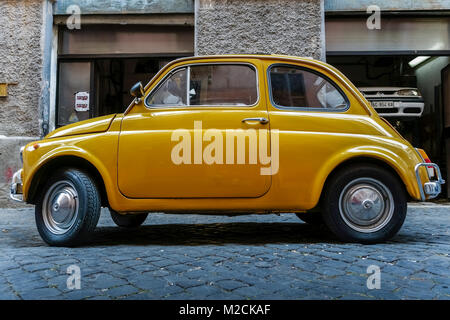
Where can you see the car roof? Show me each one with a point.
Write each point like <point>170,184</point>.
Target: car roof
<point>279,57</point>
<point>252,56</point>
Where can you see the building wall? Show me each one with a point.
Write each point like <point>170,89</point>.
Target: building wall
<point>293,27</point>
<point>21,67</point>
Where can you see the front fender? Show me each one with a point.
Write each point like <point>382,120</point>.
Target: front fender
<point>36,159</point>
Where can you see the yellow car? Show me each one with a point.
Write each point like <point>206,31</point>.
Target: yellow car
<point>230,134</point>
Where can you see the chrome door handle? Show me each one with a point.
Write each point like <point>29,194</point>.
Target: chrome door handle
<point>260,120</point>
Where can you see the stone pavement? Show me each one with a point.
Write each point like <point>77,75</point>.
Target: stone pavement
<point>214,257</point>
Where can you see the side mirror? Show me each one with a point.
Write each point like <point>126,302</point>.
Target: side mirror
<point>137,90</point>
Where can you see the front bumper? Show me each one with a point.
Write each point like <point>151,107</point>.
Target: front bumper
<point>431,189</point>
<point>16,191</point>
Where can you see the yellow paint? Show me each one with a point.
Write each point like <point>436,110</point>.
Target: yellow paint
<point>132,151</point>
<point>99,124</point>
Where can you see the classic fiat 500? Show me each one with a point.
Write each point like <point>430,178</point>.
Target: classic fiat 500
<point>233,134</point>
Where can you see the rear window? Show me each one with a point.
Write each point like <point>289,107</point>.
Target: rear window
<point>294,87</point>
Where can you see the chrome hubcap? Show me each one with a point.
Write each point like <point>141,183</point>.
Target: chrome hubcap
<point>366,205</point>
<point>60,207</point>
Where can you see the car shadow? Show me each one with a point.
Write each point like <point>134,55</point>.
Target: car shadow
<point>249,233</point>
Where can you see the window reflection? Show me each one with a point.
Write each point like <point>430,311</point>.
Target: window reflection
<point>297,88</point>
<point>172,92</point>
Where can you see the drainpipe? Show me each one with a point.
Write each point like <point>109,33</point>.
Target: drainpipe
<point>46,44</point>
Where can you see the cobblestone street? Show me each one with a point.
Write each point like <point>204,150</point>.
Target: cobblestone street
<point>213,257</point>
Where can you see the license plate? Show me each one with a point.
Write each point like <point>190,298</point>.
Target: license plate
<point>382,104</point>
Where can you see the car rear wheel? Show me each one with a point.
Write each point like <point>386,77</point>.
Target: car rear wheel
<point>68,208</point>
<point>364,203</point>
<point>128,220</point>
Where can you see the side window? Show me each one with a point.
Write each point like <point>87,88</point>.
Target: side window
<point>294,87</point>
<point>222,84</point>
<point>172,92</point>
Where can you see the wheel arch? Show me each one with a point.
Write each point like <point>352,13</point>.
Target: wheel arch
<point>69,161</point>
<point>366,159</point>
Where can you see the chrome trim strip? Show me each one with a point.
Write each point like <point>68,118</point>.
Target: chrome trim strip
<point>188,85</point>
<point>419,180</point>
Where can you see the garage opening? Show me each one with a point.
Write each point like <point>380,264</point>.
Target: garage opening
<point>403,69</point>
<point>410,92</point>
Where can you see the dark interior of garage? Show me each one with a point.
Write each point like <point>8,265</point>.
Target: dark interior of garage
<point>113,79</point>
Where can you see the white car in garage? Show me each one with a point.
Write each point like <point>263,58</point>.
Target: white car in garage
<point>398,102</point>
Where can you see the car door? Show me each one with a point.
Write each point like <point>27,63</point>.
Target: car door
<point>179,144</point>
<point>309,111</point>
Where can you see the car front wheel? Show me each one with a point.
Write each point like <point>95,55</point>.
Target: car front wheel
<point>68,208</point>
<point>364,203</point>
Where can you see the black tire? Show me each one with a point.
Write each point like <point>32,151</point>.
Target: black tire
<point>339,214</point>
<point>85,215</point>
<point>312,218</point>
<point>129,220</point>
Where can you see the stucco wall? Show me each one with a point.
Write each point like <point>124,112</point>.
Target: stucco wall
<point>21,66</point>
<point>21,63</point>
<point>293,27</point>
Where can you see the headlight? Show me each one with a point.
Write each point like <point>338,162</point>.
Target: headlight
<point>21,154</point>
<point>408,92</point>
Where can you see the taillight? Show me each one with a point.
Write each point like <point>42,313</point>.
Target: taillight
<point>424,155</point>
<point>426,159</point>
